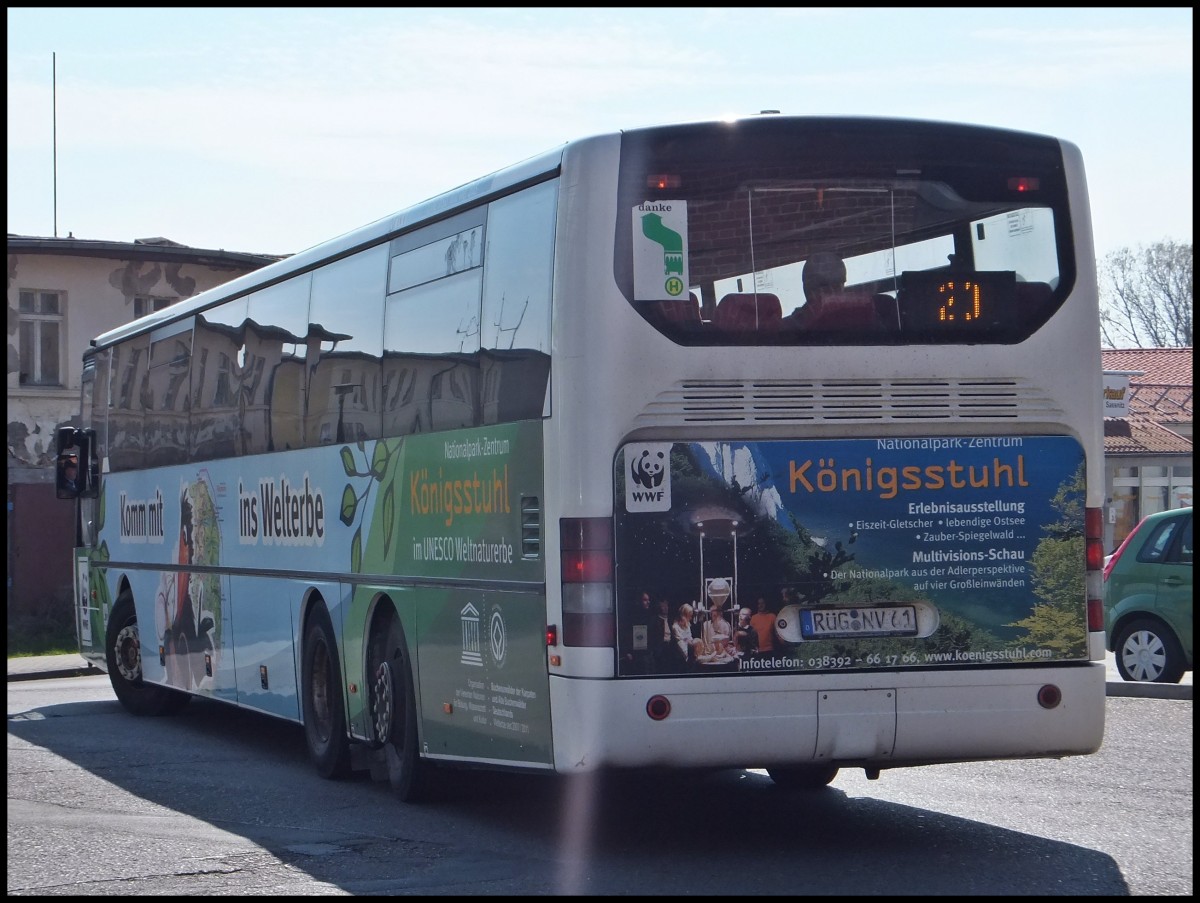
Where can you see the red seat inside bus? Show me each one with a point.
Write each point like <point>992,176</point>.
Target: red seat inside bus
<point>749,312</point>
<point>678,312</point>
<point>853,310</point>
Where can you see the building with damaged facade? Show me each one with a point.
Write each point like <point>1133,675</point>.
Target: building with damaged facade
<point>62,292</point>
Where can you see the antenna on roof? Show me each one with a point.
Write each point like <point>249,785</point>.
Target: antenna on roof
<point>54,131</point>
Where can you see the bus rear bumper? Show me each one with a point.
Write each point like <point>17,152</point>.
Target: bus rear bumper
<point>868,720</point>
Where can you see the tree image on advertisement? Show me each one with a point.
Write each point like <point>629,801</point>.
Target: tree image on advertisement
<point>1059,621</point>
<point>815,561</point>
<point>354,504</point>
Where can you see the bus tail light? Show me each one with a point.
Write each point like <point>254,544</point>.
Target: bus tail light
<point>1024,183</point>
<point>586,545</point>
<point>663,180</point>
<point>1093,534</point>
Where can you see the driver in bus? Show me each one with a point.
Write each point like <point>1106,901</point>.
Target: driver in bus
<point>828,305</point>
<point>70,475</point>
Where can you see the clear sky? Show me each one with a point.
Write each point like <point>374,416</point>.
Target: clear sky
<point>270,130</point>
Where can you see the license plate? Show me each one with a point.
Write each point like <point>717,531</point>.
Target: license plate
<point>823,623</point>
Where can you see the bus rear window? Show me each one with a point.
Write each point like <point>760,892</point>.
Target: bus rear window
<point>843,232</point>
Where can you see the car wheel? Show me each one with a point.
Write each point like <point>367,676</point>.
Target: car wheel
<point>1146,650</point>
<point>802,777</point>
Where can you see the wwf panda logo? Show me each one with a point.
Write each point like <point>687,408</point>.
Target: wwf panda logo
<point>648,469</point>
<point>648,477</point>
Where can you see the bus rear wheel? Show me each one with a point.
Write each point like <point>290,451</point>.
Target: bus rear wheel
<point>802,777</point>
<point>324,706</point>
<point>123,652</point>
<point>394,713</point>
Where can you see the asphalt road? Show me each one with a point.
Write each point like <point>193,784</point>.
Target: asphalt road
<point>44,666</point>
<point>222,801</point>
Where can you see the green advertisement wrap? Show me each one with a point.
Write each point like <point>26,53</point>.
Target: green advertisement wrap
<point>820,555</point>
<point>466,508</point>
<point>220,557</point>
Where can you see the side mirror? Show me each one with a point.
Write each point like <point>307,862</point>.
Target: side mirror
<point>76,469</point>
<point>68,478</point>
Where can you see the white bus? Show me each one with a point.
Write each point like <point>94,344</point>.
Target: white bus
<point>770,443</point>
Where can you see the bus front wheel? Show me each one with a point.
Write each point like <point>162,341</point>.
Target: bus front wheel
<point>802,777</point>
<point>324,707</point>
<point>394,713</point>
<point>123,652</point>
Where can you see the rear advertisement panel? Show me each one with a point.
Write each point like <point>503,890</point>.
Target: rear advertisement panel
<point>818,555</point>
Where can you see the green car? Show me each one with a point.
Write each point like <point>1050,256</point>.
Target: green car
<point>1148,599</point>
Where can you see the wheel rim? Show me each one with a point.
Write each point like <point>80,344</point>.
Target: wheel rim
<point>322,709</point>
<point>128,650</point>
<point>1144,655</point>
<point>383,702</point>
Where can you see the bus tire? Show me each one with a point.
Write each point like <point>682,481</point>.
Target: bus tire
<point>394,714</point>
<point>1147,650</point>
<point>123,654</point>
<point>324,705</point>
<point>802,777</point>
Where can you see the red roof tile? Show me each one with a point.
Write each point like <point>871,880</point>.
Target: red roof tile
<point>1142,437</point>
<point>1164,392</point>
<point>1162,365</point>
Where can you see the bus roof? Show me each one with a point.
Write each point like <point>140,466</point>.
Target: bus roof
<point>533,169</point>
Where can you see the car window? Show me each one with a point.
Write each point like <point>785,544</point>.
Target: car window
<point>1158,545</point>
<point>1185,544</point>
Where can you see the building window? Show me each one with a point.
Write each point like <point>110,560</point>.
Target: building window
<point>143,305</point>
<point>1181,486</point>
<point>41,336</point>
<point>1138,491</point>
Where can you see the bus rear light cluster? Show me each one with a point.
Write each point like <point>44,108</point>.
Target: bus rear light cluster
<point>552,641</point>
<point>1093,533</point>
<point>586,546</point>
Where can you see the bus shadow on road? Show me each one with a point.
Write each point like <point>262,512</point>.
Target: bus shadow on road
<point>721,832</point>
